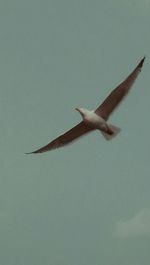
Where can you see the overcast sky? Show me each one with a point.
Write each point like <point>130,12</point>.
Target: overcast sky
<point>88,203</point>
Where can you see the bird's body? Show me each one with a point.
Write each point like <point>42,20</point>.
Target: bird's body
<point>93,120</point>
<point>97,119</point>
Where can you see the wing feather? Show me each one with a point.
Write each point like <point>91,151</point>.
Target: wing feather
<point>117,95</point>
<point>66,138</point>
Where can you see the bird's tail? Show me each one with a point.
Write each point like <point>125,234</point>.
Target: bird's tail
<point>115,130</point>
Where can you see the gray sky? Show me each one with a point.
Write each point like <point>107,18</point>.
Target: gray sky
<point>88,203</point>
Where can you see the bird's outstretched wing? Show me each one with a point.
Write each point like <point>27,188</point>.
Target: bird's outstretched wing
<point>66,138</point>
<point>116,96</point>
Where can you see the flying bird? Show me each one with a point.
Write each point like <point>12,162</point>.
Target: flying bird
<point>96,119</point>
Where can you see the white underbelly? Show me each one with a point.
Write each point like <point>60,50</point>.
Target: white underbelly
<point>94,120</point>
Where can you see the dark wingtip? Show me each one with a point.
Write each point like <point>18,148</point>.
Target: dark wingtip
<point>141,62</point>
<point>34,152</point>
<point>30,153</point>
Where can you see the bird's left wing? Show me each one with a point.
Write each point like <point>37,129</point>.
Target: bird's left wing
<point>117,95</point>
<point>66,138</point>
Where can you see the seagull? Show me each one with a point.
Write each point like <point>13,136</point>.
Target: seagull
<point>96,119</point>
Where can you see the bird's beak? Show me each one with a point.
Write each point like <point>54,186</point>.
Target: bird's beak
<point>77,109</point>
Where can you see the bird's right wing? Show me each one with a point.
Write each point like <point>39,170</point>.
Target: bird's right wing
<point>66,138</point>
<point>117,95</point>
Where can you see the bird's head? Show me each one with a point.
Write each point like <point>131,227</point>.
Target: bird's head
<point>82,111</point>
